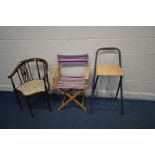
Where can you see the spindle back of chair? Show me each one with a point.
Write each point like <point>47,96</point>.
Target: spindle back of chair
<point>25,69</point>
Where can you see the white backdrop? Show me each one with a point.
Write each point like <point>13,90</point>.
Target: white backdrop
<point>137,45</point>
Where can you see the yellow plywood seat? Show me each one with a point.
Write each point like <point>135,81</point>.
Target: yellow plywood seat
<point>109,70</point>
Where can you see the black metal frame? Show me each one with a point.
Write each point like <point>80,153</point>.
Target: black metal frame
<point>24,73</point>
<point>95,78</point>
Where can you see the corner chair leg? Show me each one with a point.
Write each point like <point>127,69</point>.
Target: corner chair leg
<point>48,100</point>
<point>29,105</point>
<point>18,100</point>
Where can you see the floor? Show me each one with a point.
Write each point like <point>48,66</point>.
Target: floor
<point>138,114</point>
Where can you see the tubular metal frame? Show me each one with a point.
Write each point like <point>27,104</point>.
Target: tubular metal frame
<point>95,78</point>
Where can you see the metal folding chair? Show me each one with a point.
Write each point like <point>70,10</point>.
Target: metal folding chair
<point>102,70</point>
<point>71,86</point>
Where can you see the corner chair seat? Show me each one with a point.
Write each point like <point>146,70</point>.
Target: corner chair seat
<point>31,87</point>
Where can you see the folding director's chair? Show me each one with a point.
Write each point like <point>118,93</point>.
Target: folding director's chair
<point>102,70</point>
<point>71,78</point>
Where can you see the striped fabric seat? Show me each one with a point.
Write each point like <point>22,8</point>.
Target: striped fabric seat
<point>73,60</point>
<point>72,83</point>
<point>72,79</point>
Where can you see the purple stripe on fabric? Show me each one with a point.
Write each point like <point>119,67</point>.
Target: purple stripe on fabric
<point>72,59</point>
<point>73,56</point>
<point>73,63</point>
<point>72,81</point>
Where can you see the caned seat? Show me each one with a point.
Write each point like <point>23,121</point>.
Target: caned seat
<point>31,87</point>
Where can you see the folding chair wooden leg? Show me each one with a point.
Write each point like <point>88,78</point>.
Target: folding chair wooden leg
<point>71,98</point>
<point>63,101</point>
<point>77,102</point>
<point>83,99</point>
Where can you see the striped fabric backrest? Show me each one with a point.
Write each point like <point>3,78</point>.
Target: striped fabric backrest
<point>73,60</point>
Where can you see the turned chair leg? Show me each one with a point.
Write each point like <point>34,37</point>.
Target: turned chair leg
<point>29,105</point>
<point>18,100</point>
<point>48,100</point>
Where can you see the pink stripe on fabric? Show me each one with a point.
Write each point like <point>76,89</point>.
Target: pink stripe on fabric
<point>71,82</point>
<point>71,87</point>
<point>72,77</point>
<point>65,78</point>
<point>82,62</point>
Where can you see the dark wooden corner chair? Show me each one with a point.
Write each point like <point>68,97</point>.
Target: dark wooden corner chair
<point>31,77</point>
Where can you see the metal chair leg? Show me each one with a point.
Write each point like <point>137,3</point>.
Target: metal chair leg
<point>29,105</point>
<point>93,92</point>
<point>18,99</point>
<point>118,88</point>
<point>121,88</point>
<point>94,86</point>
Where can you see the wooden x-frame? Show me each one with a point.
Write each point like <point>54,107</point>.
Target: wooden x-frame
<point>70,95</point>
